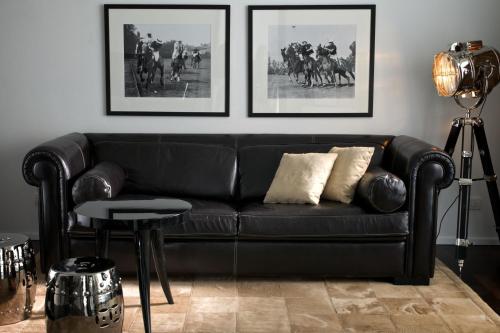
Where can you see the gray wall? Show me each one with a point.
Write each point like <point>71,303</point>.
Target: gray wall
<point>52,82</point>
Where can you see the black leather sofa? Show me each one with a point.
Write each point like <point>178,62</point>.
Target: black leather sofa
<point>230,230</point>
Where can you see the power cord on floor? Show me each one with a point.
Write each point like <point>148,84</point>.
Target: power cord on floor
<point>444,215</point>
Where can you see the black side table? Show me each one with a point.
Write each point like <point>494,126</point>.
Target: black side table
<point>146,218</point>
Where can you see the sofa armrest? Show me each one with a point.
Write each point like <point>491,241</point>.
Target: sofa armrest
<point>69,153</point>
<point>50,166</point>
<point>405,155</point>
<point>426,170</point>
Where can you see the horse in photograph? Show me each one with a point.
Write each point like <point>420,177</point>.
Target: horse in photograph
<point>311,70</point>
<point>294,64</point>
<point>195,61</point>
<point>152,62</point>
<point>325,64</point>
<point>331,66</point>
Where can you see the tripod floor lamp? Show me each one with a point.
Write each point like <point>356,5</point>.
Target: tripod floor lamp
<point>469,71</point>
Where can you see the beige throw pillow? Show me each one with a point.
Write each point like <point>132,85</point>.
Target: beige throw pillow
<point>300,178</point>
<point>350,166</point>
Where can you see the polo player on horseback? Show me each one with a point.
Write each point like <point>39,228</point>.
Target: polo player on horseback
<point>332,49</point>
<point>177,61</point>
<point>306,51</point>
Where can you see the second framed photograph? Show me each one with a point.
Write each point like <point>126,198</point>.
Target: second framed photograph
<point>311,61</point>
<point>167,60</point>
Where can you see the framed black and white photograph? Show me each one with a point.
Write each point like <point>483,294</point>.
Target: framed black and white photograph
<point>167,60</point>
<point>311,61</point>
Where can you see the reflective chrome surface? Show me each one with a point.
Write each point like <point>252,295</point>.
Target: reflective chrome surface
<point>84,295</point>
<point>466,70</point>
<point>17,278</point>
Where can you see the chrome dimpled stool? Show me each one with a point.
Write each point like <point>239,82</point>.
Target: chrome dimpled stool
<point>84,295</point>
<point>17,278</point>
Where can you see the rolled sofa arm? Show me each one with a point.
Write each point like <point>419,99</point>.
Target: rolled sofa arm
<point>50,166</point>
<point>426,170</point>
<point>69,153</point>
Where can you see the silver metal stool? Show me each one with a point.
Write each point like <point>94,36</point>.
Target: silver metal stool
<point>84,295</point>
<point>17,278</point>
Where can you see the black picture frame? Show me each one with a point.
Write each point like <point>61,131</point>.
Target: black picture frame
<point>253,9</point>
<point>227,22</point>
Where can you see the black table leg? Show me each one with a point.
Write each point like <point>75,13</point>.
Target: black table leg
<point>160,263</point>
<point>142,247</point>
<point>102,243</point>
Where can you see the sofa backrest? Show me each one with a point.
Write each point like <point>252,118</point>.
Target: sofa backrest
<point>218,166</point>
<point>259,155</point>
<point>174,165</point>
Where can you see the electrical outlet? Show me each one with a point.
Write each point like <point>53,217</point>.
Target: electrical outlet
<point>475,203</point>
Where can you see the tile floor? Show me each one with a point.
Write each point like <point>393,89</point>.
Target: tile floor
<point>309,306</point>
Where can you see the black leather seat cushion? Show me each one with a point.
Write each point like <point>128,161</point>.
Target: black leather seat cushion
<point>208,219</point>
<point>330,220</point>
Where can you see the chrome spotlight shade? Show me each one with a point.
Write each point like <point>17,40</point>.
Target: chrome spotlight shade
<point>467,70</point>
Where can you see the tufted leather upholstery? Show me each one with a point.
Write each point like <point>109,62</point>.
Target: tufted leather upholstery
<point>225,176</point>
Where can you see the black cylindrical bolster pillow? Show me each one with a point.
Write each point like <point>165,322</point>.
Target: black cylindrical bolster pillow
<point>104,181</point>
<point>381,190</point>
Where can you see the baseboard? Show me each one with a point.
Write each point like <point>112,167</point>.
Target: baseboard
<point>447,240</point>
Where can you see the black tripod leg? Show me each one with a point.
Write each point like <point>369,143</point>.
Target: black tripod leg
<point>456,127</point>
<point>489,173</point>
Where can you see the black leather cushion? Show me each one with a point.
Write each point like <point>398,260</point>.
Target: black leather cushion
<point>104,181</point>
<point>326,220</point>
<point>258,164</point>
<point>381,191</point>
<point>173,169</point>
<point>208,219</point>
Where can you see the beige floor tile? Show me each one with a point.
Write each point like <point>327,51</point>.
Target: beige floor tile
<point>367,323</point>
<point>214,304</point>
<point>261,322</point>
<point>408,306</point>
<point>424,323</point>
<point>258,288</point>
<point>440,278</point>
<point>349,289</point>
<point>389,290</point>
<point>178,287</point>
<point>441,290</point>
<point>160,305</point>
<point>471,324</point>
<point>214,288</point>
<point>314,323</point>
<point>210,323</point>
<point>160,322</point>
<point>36,324</point>
<point>129,316</point>
<point>303,289</point>
<point>317,305</point>
<point>262,304</point>
<point>455,306</point>
<point>13,328</point>
<point>358,306</point>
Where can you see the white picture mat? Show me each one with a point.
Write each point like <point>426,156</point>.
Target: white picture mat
<point>262,19</point>
<point>217,20</point>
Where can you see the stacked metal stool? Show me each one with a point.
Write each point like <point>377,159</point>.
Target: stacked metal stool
<point>84,295</point>
<point>17,278</point>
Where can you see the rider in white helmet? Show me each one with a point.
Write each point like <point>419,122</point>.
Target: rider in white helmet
<point>178,49</point>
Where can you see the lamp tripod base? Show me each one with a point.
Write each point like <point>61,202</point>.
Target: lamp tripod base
<point>465,181</point>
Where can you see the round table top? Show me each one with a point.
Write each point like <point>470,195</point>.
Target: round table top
<point>154,210</point>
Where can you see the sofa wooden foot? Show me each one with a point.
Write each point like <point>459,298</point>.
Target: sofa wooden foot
<point>416,281</point>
